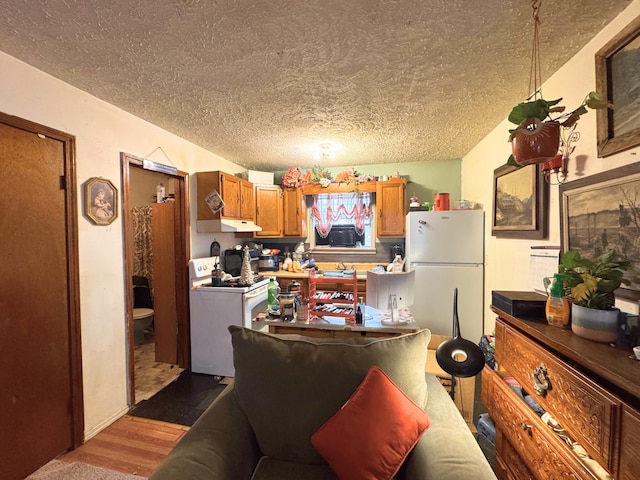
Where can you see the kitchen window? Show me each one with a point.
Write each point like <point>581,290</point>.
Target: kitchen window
<point>343,220</point>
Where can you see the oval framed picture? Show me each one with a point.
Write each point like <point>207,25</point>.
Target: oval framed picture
<point>100,201</point>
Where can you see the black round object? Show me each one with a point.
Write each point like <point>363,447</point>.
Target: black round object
<point>469,367</point>
<point>447,350</point>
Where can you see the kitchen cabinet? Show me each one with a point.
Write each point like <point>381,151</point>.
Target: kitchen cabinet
<point>390,206</point>
<point>592,390</point>
<point>269,210</point>
<point>294,214</point>
<point>237,194</point>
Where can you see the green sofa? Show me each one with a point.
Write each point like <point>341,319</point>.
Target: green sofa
<point>287,386</point>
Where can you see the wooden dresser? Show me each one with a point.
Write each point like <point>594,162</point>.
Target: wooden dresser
<point>592,391</point>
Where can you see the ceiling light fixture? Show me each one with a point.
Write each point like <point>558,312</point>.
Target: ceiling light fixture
<point>325,151</point>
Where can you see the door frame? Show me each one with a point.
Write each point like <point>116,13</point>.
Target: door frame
<point>183,251</point>
<point>68,183</point>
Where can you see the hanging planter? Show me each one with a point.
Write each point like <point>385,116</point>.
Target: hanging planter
<point>535,141</point>
<point>537,137</point>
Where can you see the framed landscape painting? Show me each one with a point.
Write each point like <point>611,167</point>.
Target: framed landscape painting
<point>601,212</point>
<point>520,202</point>
<point>618,77</point>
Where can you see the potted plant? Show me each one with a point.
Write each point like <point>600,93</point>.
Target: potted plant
<point>536,138</point>
<point>591,284</point>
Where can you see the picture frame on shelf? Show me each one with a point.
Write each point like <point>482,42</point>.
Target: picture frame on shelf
<point>100,201</point>
<point>602,212</point>
<point>618,77</point>
<point>520,203</point>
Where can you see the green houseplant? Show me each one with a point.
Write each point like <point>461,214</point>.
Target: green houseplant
<point>591,284</point>
<point>536,138</point>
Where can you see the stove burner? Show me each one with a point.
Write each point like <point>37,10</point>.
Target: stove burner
<point>236,283</point>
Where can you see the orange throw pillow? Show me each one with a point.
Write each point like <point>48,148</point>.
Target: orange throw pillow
<point>372,434</point>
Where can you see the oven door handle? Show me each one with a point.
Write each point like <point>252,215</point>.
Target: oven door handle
<point>257,293</point>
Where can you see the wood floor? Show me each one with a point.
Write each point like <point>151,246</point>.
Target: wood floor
<point>129,445</point>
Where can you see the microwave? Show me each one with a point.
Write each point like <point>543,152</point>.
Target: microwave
<point>233,258</point>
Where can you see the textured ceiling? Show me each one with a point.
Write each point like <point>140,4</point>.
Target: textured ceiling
<point>263,82</point>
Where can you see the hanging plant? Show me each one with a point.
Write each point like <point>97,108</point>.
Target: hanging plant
<point>536,139</point>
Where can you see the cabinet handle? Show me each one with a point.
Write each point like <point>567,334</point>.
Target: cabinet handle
<point>524,426</point>
<point>540,380</point>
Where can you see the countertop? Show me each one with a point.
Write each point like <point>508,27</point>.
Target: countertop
<point>361,269</point>
<point>372,323</point>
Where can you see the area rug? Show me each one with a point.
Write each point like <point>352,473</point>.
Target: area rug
<point>59,470</point>
<point>183,400</point>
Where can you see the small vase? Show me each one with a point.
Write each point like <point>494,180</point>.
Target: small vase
<point>535,141</point>
<point>596,325</point>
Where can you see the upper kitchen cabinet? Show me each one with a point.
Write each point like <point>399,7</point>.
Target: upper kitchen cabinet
<point>295,213</point>
<point>238,212</point>
<point>269,210</point>
<point>247,201</point>
<point>236,193</point>
<point>390,205</point>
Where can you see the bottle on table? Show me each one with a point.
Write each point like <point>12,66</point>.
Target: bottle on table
<point>273,290</point>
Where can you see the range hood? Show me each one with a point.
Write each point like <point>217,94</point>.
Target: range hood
<point>226,225</point>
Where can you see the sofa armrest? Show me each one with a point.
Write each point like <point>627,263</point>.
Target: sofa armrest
<point>220,444</point>
<point>448,449</point>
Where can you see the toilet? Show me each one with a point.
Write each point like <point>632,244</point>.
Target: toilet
<point>142,319</point>
<point>142,308</point>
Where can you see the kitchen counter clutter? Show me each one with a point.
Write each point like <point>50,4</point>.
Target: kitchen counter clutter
<point>336,327</point>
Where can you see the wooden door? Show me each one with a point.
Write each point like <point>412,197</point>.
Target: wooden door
<point>269,210</point>
<point>390,204</point>
<point>294,213</point>
<point>40,384</point>
<point>165,313</point>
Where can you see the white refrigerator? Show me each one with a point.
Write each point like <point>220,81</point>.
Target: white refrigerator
<point>446,250</point>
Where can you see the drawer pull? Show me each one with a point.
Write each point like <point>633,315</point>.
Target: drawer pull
<point>540,380</point>
<point>525,426</point>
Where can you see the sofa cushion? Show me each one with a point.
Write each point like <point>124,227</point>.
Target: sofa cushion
<point>372,434</point>
<point>289,385</point>
<point>271,469</point>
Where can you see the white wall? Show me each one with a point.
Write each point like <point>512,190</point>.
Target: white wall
<point>507,261</point>
<point>102,131</point>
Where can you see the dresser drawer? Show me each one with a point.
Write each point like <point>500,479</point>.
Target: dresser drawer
<point>510,464</point>
<point>536,445</point>
<point>583,408</point>
<point>629,445</point>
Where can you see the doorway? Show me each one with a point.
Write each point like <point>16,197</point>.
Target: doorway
<point>156,252</point>
<point>41,402</point>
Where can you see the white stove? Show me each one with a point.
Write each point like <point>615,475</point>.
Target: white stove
<point>201,271</point>
<point>213,309</point>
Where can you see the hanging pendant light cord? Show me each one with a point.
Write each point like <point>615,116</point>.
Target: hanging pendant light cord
<point>535,76</point>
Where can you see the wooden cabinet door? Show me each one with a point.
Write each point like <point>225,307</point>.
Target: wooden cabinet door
<point>294,213</point>
<point>390,204</point>
<point>269,210</point>
<point>230,192</point>
<point>247,202</point>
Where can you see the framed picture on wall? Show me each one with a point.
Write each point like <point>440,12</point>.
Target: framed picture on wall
<point>100,201</point>
<point>618,76</point>
<point>601,212</point>
<point>520,203</point>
